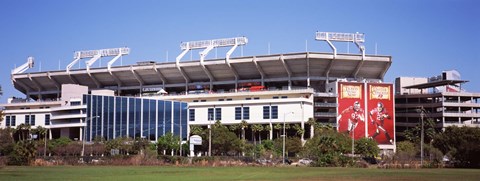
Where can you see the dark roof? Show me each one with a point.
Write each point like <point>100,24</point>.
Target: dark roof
<point>435,84</point>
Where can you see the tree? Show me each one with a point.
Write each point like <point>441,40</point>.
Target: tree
<point>224,142</point>
<point>234,128</point>
<point>366,147</point>
<point>299,131</point>
<point>243,126</point>
<point>23,131</point>
<point>256,128</point>
<point>461,144</point>
<point>328,148</point>
<point>414,134</point>
<point>195,130</point>
<point>312,122</point>
<point>23,153</point>
<point>168,143</point>
<point>41,131</point>
<point>278,127</point>
<point>6,141</point>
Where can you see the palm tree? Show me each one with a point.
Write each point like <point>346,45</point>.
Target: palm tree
<point>24,131</point>
<point>243,125</point>
<point>256,128</point>
<point>311,122</point>
<point>298,129</point>
<point>278,127</point>
<point>41,131</point>
<point>234,128</point>
<point>267,128</point>
<point>196,130</point>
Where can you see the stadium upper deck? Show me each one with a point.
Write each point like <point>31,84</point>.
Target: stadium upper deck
<point>305,69</point>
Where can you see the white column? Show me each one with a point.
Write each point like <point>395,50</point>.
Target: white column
<point>81,134</point>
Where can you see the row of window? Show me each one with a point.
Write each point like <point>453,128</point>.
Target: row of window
<point>248,98</point>
<point>241,113</point>
<point>110,117</point>
<point>29,119</point>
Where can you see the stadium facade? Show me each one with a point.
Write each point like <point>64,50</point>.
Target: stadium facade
<point>150,98</point>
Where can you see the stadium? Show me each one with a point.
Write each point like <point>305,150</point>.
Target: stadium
<point>149,99</point>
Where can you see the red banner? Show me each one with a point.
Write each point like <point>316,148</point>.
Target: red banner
<point>380,113</point>
<point>351,109</point>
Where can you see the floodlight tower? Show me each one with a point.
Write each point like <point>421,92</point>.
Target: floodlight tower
<point>24,67</point>
<point>94,55</point>
<point>209,45</point>
<point>357,38</point>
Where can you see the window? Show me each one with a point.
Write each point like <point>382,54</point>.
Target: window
<point>284,97</point>
<point>47,119</point>
<point>191,116</point>
<point>27,119</point>
<point>195,100</point>
<point>13,121</point>
<point>203,100</point>
<point>248,98</point>
<point>266,112</point>
<point>218,113</point>
<point>275,97</point>
<point>32,120</point>
<point>246,112</point>
<point>256,98</point>
<point>75,103</point>
<point>210,114</point>
<point>274,112</point>
<point>221,99</point>
<point>238,113</point>
<point>229,99</point>
<point>7,121</point>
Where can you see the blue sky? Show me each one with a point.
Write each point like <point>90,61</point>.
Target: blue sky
<point>423,37</point>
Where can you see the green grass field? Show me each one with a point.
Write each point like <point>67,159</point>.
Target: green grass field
<point>229,173</point>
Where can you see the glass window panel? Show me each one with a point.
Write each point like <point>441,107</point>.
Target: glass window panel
<point>168,116</point>
<point>123,130</point>
<point>138,117</point>
<point>176,118</point>
<point>131,117</point>
<point>146,109</point>
<point>218,113</point>
<point>266,112</point>
<point>238,113</point>
<point>210,114</point>
<point>152,119</point>
<point>246,113</point>
<point>161,118</point>
<point>111,111</point>
<point>104,117</point>
<point>191,115</point>
<point>184,119</point>
<point>274,112</point>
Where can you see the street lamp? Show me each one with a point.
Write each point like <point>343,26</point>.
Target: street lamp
<point>210,135</point>
<point>84,128</point>
<point>284,135</point>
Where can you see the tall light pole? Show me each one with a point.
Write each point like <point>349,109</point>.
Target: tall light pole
<point>209,135</point>
<point>353,143</point>
<point>422,114</point>
<point>83,137</point>
<point>284,135</point>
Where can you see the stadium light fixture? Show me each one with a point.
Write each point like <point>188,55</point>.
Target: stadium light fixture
<point>357,38</point>
<point>24,67</point>
<point>94,55</point>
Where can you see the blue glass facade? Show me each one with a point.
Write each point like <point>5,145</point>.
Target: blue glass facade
<point>111,117</point>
